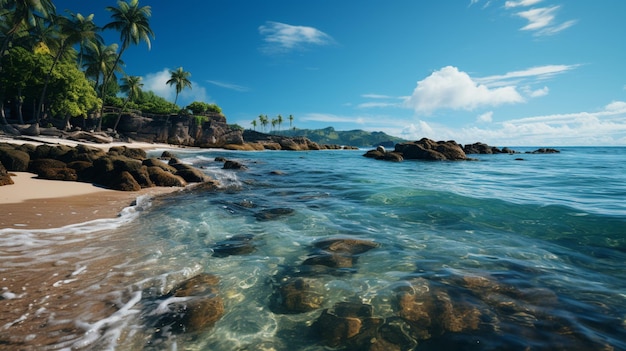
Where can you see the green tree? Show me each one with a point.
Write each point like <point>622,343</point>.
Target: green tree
<point>71,94</point>
<point>131,86</point>
<point>21,78</point>
<point>75,30</point>
<point>290,120</point>
<point>133,24</point>
<point>180,79</point>
<point>253,124</point>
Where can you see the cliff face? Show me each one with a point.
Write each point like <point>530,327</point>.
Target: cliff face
<point>180,130</point>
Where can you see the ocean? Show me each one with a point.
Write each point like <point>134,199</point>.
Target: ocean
<point>505,252</point>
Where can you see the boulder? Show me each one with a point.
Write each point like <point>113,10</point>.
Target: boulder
<point>192,306</point>
<point>14,160</point>
<point>161,177</point>
<point>229,164</point>
<point>348,325</point>
<point>482,148</point>
<point>134,153</point>
<point>273,213</point>
<point>240,244</point>
<point>5,178</point>
<point>427,149</point>
<point>345,245</point>
<point>297,295</point>
<point>544,151</point>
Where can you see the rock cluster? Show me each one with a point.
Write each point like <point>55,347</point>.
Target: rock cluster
<point>482,148</point>
<point>423,149</point>
<point>430,150</point>
<point>121,168</point>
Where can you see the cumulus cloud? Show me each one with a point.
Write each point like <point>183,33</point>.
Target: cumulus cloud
<point>157,83</point>
<point>281,37</point>
<point>452,89</point>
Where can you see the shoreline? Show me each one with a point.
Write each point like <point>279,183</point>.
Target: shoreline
<point>33,203</point>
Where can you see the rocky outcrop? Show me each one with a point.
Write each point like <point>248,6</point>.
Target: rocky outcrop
<point>121,168</point>
<point>423,149</point>
<point>482,148</point>
<point>544,151</point>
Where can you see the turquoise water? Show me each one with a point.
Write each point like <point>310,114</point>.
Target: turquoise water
<point>548,234</point>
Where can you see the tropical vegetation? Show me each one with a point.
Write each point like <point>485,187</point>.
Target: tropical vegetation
<point>54,67</point>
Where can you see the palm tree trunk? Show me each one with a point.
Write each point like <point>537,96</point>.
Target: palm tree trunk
<point>119,115</point>
<point>105,80</point>
<point>3,118</point>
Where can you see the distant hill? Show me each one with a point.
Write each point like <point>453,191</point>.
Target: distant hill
<point>329,135</point>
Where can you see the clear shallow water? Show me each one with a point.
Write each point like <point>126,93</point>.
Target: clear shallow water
<point>546,236</point>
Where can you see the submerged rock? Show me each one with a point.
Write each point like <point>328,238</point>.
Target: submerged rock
<point>338,252</point>
<point>297,295</point>
<point>349,325</point>
<point>192,306</point>
<point>273,213</point>
<point>236,245</point>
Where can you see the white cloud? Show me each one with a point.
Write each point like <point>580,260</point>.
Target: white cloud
<point>157,83</point>
<point>486,117</point>
<point>518,3</point>
<point>229,86</point>
<point>452,89</point>
<point>536,93</point>
<point>542,20</point>
<point>281,37</point>
<point>535,73</point>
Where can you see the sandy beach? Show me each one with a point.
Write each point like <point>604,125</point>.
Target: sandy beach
<point>39,203</point>
<point>33,203</point>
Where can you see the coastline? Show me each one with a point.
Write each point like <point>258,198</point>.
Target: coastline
<point>32,203</point>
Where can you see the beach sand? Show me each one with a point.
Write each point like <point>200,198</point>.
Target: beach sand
<point>33,203</point>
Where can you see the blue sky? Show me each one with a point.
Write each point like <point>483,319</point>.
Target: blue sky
<point>508,73</point>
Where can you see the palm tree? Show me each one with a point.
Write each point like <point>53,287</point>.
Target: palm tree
<point>180,79</point>
<point>274,122</point>
<point>263,119</point>
<point>279,121</point>
<point>134,26</point>
<point>75,30</point>
<point>131,86</point>
<point>20,14</point>
<point>253,124</point>
<point>290,120</point>
<point>99,60</point>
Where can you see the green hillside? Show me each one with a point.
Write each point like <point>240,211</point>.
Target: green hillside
<point>329,135</point>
